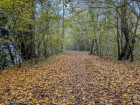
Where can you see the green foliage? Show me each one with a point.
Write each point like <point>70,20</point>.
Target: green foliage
<point>40,28</point>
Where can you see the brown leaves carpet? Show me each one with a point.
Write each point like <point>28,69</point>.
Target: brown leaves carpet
<point>74,78</point>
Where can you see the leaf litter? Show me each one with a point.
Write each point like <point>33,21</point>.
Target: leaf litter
<point>74,78</point>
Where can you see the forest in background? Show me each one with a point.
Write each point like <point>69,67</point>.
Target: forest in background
<point>40,28</point>
<point>39,36</point>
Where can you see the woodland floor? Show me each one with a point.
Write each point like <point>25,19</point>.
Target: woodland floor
<point>74,78</point>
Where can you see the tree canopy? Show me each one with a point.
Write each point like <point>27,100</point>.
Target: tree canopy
<point>39,28</point>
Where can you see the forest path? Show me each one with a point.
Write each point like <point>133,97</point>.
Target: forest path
<point>74,78</point>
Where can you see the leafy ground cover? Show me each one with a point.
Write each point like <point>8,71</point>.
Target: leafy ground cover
<point>74,78</point>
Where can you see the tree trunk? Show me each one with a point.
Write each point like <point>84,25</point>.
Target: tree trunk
<point>127,51</point>
<point>118,42</point>
<point>91,48</point>
<point>28,47</point>
<point>10,53</point>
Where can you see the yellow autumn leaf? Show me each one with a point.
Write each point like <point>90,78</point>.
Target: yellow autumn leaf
<point>124,95</point>
<point>47,100</point>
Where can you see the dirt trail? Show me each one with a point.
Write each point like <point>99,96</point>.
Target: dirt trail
<point>74,78</point>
